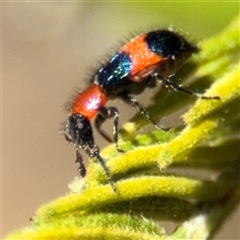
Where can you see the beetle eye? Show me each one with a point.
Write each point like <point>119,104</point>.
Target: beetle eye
<point>79,125</point>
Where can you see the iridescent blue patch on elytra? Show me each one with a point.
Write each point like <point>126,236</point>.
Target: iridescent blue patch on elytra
<point>115,70</point>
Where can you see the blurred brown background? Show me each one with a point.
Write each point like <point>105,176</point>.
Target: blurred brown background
<point>47,52</point>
